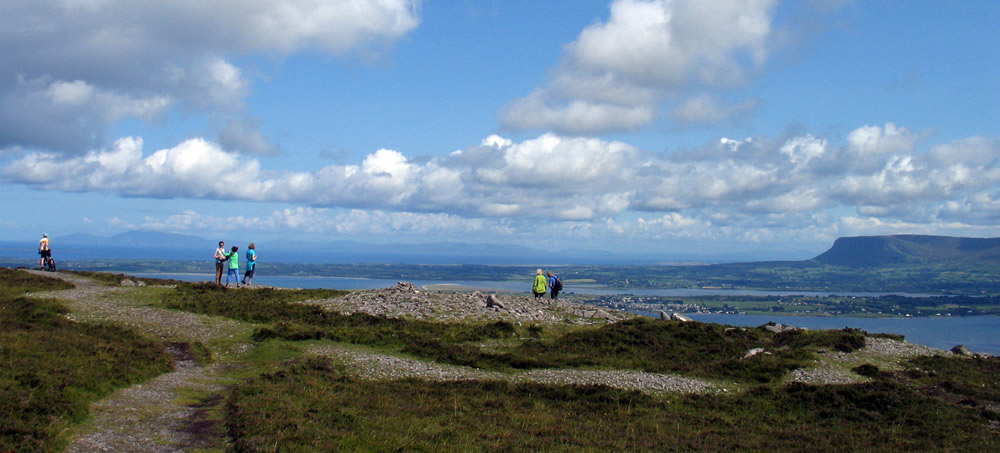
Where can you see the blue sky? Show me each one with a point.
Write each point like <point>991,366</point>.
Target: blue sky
<point>693,128</point>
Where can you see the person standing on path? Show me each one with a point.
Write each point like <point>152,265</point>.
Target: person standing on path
<point>43,250</point>
<point>220,260</point>
<point>539,287</point>
<point>251,261</point>
<point>234,266</point>
<point>555,285</point>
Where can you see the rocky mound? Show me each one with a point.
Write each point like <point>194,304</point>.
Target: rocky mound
<point>404,300</point>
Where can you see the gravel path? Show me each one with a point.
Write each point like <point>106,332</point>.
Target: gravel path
<point>375,366</point>
<point>156,416</point>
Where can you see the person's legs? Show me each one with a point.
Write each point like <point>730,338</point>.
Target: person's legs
<point>218,272</point>
<point>555,293</point>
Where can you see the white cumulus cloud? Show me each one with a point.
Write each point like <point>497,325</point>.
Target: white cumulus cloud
<point>616,74</point>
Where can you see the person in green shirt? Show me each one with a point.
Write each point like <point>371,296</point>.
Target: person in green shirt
<point>234,266</point>
<point>540,284</point>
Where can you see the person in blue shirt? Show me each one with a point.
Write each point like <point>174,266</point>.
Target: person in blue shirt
<point>251,261</point>
<point>555,285</point>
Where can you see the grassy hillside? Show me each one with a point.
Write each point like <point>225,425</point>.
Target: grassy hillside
<point>283,398</point>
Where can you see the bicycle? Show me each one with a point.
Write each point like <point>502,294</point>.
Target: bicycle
<point>50,264</point>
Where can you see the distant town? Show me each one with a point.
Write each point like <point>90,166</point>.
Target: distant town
<point>875,306</point>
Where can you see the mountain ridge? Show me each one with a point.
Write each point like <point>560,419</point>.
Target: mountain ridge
<point>902,249</point>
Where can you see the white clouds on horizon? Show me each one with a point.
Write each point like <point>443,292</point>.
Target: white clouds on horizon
<point>617,73</point>
<point>797,183</point>
<point>73,69</point>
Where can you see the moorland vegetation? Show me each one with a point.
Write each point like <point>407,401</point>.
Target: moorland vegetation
<point>280,397</point>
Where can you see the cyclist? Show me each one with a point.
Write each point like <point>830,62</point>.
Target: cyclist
<point>45,254</point>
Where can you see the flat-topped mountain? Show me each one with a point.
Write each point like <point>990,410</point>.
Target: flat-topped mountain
<point>869,251</point>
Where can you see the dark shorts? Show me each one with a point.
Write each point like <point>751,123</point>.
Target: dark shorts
<point>45,253</point>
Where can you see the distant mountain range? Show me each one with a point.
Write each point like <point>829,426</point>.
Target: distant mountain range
<point>908,249</point>
<point>855,252</point>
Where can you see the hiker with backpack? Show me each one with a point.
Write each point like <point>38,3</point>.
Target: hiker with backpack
<point>555,285</point>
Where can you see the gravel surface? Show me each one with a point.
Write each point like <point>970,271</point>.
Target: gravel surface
<point>155,416</point>
<point>408,301</point>
<point>375,366</point>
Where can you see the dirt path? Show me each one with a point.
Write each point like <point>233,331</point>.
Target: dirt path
<point>167,413</point>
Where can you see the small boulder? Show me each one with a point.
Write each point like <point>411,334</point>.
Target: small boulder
<point>753,352</point>
<point>127,282</point>
<point>779,328</point>
<point>962,351</point>
<point>680,317</point>
<point>406,287</point>
<point>493,301</point>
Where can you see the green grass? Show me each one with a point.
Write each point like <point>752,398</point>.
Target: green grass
<point>283,402</point>
<point>313,405</point>
<point>697,349</point>
<point>53,368</point>
<point>975,382</point>
<point>14,283</point>
<point>111,279</point>
<point>289,320</point>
